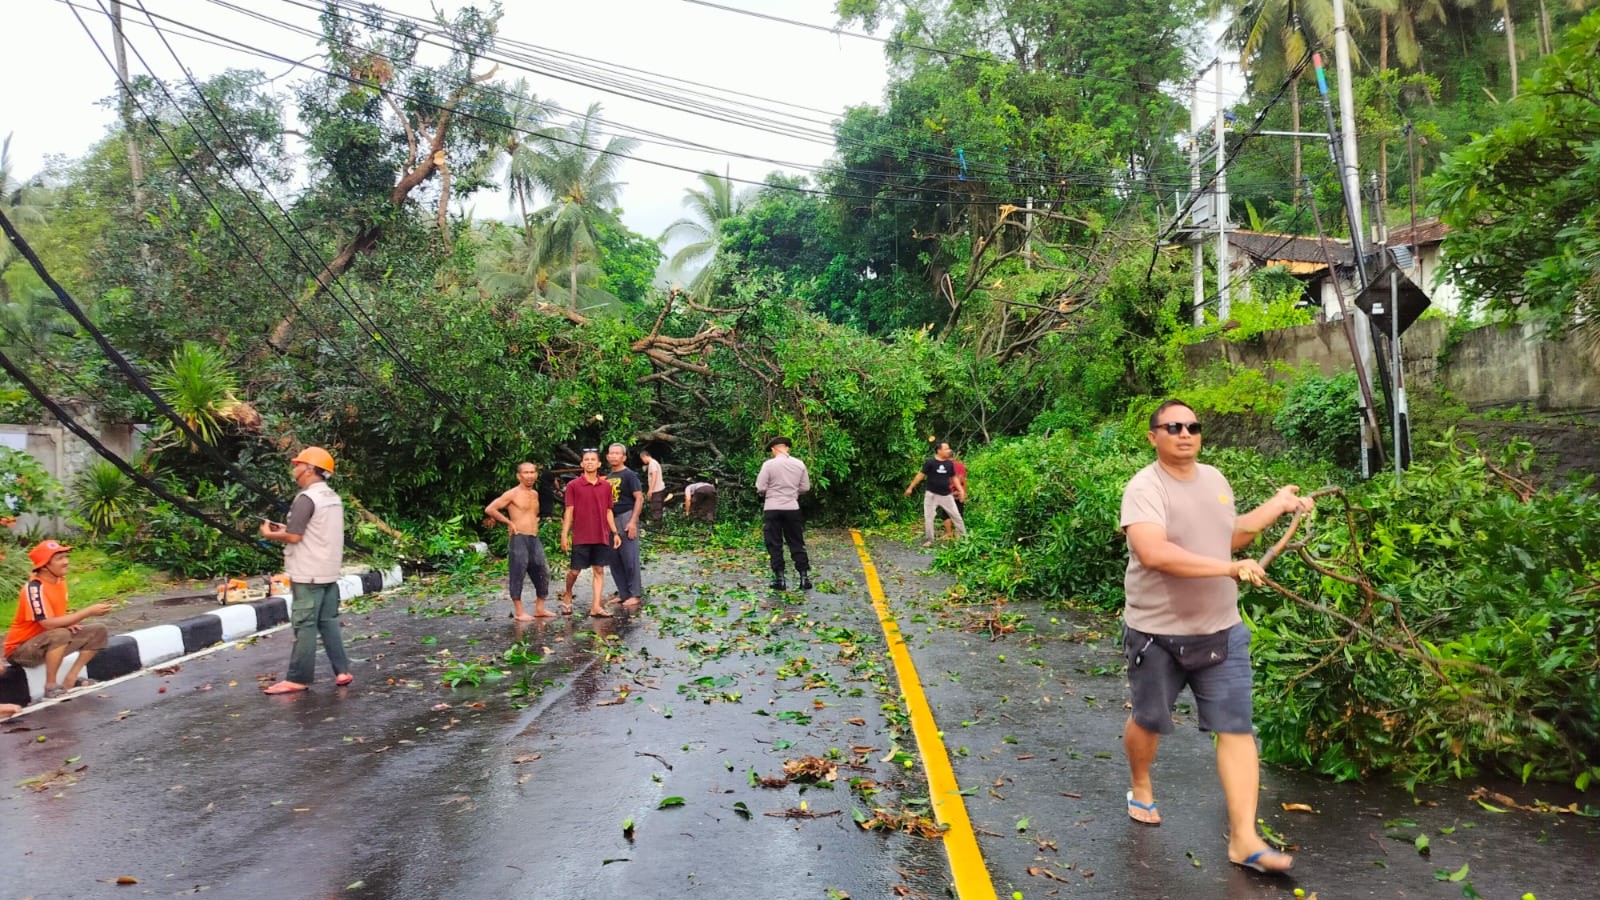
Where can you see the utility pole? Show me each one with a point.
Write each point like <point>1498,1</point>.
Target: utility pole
<point>1399,415</point>
<point>1371,432</point>
<point>1350,173</point>
<point>135,163</point>
<point>1194,192</point>
<point>1027,238</point>
<point>1351,178</point>
<point>1224,306</point>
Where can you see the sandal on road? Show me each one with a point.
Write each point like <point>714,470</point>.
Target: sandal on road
<point>1267,861</point>
<point>1146,813</point>
<point>285,687</point>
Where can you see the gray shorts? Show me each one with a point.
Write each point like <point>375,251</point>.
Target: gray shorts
<point>1222,693</point>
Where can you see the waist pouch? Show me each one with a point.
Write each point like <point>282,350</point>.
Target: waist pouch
<point>1192,652</point>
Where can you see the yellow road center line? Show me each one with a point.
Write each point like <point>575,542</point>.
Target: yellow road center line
<point>967,867</point>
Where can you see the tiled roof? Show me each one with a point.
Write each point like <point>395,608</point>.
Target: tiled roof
<point>1267,248</point>
<point>1428,231</point>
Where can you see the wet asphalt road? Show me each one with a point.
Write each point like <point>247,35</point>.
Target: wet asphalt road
<point>401,787</point>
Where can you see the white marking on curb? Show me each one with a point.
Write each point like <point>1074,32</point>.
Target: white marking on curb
<point>158,643</point>
<point>100,685</point>
<point>349,586</point>
<point>237,621</point>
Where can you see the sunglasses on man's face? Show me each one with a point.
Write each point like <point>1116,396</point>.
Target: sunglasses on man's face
<point>1175,428</point>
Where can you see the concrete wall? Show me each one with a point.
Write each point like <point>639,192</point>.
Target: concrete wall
<point>1490,366</point>
<point>64,455</point>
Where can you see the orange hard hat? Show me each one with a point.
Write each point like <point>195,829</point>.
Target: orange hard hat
<point>44,551</point>
<point>316,456</point>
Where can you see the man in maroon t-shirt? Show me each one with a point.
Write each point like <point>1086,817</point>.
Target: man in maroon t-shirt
<point>588,531</point>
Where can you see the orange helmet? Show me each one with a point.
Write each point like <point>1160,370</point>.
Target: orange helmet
<point>44,551</point>
<point>316,456</point>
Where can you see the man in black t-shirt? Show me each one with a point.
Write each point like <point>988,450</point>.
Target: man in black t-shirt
<point>627,503</point>
<point>938,470</point>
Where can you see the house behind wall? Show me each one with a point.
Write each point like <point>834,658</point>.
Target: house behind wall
<point>64,455</point>
<point>1494,366</point>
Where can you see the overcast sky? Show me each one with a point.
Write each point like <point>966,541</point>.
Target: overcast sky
<point>55,77</point>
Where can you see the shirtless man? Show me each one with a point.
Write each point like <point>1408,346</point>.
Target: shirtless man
<point>518,510</point>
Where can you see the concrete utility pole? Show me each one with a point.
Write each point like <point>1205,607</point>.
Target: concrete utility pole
<point>1194,192</point>
<point>1347,123</point>
<point>135,164</point>
<point>1027,256</point>
<point>1224,306</point>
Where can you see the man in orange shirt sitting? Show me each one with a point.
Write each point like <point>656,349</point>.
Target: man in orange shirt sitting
<point>43,631</point>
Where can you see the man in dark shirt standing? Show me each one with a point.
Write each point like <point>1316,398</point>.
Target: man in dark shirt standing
<point>627,504</point>
<point>939,471</point>
<point>588,531</point>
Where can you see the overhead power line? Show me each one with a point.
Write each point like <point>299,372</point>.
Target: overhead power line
<point>901,42</point>
<point>127,368</point>
<point>972,167</point>
<point>318,263</point>
<point>71,424</point>
<point>1118,181</point>
<point>225,221</point>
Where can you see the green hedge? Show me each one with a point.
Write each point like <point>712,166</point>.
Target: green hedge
<point>1480,651</point>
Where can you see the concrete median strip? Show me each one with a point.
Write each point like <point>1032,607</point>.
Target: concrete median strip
<point>135,651</point>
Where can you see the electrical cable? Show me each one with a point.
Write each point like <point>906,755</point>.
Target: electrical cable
<point>949,197</point>
<point>893,42</point>
<point>85,435</point>
<point>1233,152</point>
<point>387,342</point>
<point>1117,180</point>
<point>830,139</point>
<point>127,368</point>
<point>224,220</point>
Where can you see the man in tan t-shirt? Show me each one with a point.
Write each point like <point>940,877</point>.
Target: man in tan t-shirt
<point>1182,625</point>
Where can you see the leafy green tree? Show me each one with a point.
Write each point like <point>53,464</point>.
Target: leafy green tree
<point>1521,200</point>
<point>628,263</point>
<point>383,128</point>
<point>788,231</point>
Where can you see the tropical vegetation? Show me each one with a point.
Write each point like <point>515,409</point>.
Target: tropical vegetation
<point>984,258</point>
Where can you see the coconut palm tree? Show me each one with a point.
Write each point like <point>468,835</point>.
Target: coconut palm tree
<point>508,266</point>
<point>527,115</point>
<point>718,202</point>
<point>1397,21</point>
<point>579,175</point>
<point>1271,44</point>
<point>20,203</point>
